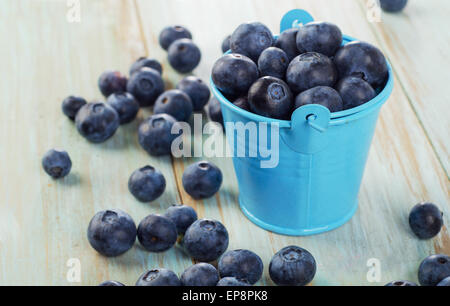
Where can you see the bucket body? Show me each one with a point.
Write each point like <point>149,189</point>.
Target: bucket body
<point>320,160</point>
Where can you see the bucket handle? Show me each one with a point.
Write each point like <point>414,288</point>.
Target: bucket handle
<point>308,131</point>
<point>294,18</point>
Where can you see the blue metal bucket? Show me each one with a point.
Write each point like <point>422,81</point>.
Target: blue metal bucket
<point>322,156</point>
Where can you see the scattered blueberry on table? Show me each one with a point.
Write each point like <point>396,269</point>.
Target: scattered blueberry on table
<point>176,103</point>
<point>184,55</point>
<point>201,274</point>
<point>71,105</point>
<point>172,33</point>
<point>111,283</point>
<point>157,233</point>
<point>232,282</point>
<point>202,179</point>
<point>147,184</point>
<point>111,232</point>
<point>97,121</point>
<point>111,81</point>
<point>401,283</point>
<point>158,277</point>
<point>425,220</point>
<point>154,134</point>
<point>145,62</point>
<point>125,105</point>
<point>444,283</point>
<point>146,85</point>
<point>434,269</point>
<point>182,215</point>
<point>56,163</point>
<point>205,240</point>
<point>292,266</point>
<point>197,90</point>
<point>241,264</point>
<point>393,6</point>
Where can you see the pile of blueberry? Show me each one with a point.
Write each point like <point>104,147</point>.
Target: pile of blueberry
<point>113,232</point>
<point>306,65</point>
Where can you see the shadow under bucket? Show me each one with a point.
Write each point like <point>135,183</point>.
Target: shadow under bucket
<point>321,160</point>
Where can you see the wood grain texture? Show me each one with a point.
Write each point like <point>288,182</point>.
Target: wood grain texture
<point>417,40</point>
<point>43,222</point>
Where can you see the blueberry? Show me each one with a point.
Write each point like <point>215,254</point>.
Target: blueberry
<point>146,85</point>
<point>354,91</point>
<point>125,105</point>
<point>197,90</point>
<point>323,95</point>
<point>321,37</point>
<point>215,111</point>
<point>273,62</point>
<point>434,269</point>
<point>233,74</point>
<point>172,33</point>
<point>56,163</point>
<point>157,233</point>
<point>250,39</point>
<point>444,283</point>
<point>226,44</point>
<point>205,240</point>
<point>393,6</point>
<point>97,121</point>
<point>147,184</point>
<point>111,283</point>
<point>309,70</point>
<point>271,97</point>
<point>145,62</point>
<point>287,41</point>
<point>425,220</point>
<point>202,180</point>
<point>402,283</point>
<point>110,82</point>
<point>184,55</point>
<point>232,282</point>
<point>182,215</point>
<point>158,277</point>
<point>241,264</point>
<point>71,105</point>
<point>292,266</point>
<point>364,60</point>
<point>111,232</point>
<point>175,103</point>
<point>155,134</point>
<point>242,102</point>
<point>201,274</point>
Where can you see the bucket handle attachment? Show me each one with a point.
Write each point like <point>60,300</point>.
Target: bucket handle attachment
<point>308,131</point>
<point>294,18</point>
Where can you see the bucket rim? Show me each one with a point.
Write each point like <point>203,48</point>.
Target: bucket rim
<point>335,118</point>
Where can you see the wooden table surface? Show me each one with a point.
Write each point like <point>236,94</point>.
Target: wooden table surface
<point>44,58</point>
